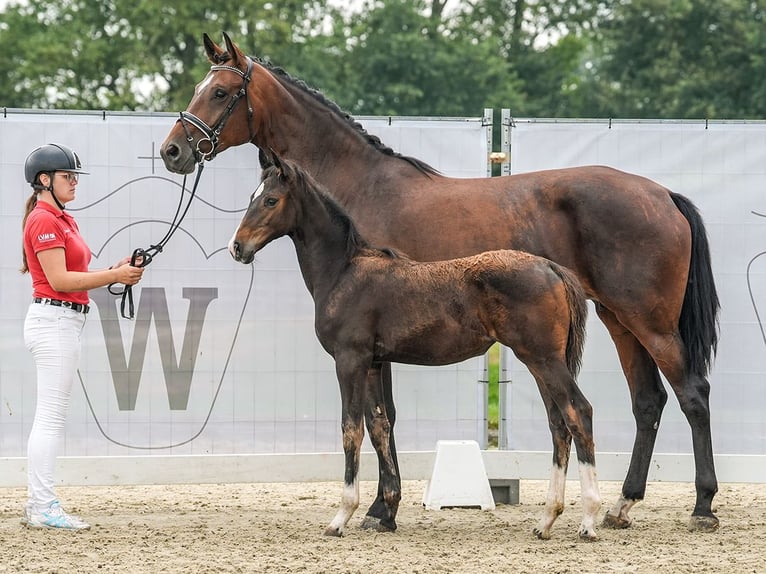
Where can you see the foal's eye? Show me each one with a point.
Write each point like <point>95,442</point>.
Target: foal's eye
<point>270,201</point>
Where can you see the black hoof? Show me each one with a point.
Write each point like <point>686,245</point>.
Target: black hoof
<point>370,523</point>
<point>386,526</point>
<point>703,524</point>
<point>615,522</point>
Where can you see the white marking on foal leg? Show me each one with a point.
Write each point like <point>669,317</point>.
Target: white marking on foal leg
<point>349,502</point>
<point>591,501</point>
<point>554,503</point>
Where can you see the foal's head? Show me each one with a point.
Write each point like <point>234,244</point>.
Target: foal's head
<point>272,212</point>
<point>290,202</point>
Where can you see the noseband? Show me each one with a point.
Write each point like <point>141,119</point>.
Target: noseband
<point>213,133</point>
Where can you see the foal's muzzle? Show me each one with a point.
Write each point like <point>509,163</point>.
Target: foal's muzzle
<point>238,253</point>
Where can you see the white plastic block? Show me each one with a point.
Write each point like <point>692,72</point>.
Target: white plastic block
<point>458,478</point>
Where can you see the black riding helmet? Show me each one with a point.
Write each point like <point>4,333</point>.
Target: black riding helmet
<point>49,158</point>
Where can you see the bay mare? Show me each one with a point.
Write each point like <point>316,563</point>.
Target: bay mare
<point>639,250</point>
<point>374,305</point>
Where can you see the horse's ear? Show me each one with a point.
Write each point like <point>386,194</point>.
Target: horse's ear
<point>235,53</point>
<point>212,49</point>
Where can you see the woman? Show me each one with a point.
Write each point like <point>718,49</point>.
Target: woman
<point>57,258</point>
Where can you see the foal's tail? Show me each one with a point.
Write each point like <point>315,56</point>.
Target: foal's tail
<point>578,314</point>
<point>698,324</point>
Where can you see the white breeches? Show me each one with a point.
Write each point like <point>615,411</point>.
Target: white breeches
<point>53,335</point>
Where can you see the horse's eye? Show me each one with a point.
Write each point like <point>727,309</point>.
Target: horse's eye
<point>220,93</point>
<point>270,201</point>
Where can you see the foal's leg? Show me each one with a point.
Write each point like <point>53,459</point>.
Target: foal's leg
<point>555,381</point>
<point>648,397</point>
<point>562,446</point>
<point>379,429</point>
<point>351,378</point>
<point>378,510</point>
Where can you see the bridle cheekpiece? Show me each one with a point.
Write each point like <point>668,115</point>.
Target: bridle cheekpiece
<point>213,133</point>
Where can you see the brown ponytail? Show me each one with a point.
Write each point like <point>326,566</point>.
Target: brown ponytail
<point>31,203</point>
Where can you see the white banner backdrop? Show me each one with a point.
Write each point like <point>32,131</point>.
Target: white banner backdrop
<point>721,166</point>
<point>221,357</point>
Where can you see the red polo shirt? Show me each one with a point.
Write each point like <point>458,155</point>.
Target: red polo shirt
<point>47,228</point>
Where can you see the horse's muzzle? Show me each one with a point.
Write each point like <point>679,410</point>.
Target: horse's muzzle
<point>178,159</point>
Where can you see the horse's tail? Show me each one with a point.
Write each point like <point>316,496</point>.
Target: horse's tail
<point>698,324</point>
<point>578,314</point>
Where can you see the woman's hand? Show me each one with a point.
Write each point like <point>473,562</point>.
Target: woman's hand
<point>126,273</point>
<point>121,262</point>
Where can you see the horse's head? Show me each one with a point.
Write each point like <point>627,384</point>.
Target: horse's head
<point>271,213</point>
<point>220,113</point>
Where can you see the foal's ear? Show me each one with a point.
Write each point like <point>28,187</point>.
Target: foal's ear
<point>212,49</point>
<point>276,162</point>
<point>264,159</point>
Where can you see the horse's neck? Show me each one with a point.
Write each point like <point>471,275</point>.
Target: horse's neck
<point>324,144</point>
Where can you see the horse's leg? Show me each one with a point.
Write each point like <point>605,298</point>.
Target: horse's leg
<point>379,429</point>
<point>562,446</point>
<point>648,397</point>
<point>378,509</point>
<point>352,392</point>
<point>693,393</point>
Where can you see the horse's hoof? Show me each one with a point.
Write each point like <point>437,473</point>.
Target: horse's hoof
<point>587,536</point>
<point>615,522</point>
<point>703,524</point>
<point>370,523</point>
<point>332,531</point>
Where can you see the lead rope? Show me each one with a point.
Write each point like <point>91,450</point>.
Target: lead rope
<point>143,257</point>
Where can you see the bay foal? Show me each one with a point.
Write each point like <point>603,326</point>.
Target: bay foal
<point>374,306</point>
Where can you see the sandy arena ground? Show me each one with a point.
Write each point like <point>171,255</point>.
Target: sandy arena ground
<point>279,528</point>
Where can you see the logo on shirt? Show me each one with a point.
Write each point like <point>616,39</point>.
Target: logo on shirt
<point>43,237</point>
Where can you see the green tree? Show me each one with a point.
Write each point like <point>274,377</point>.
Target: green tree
<point>66,55</point>
<point>403,58</point>
<point>575,58</point>
<point>681,59</point>
<point>545,44</point>
<point>88,54</point>
<point>169,37</point>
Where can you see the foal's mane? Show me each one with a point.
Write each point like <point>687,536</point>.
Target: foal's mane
<point>283,77</point>
<point>355,242</point>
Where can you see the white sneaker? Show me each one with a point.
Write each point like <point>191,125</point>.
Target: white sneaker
<point>53,517</point>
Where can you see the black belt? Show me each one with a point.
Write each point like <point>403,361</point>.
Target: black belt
<point>79,307</point>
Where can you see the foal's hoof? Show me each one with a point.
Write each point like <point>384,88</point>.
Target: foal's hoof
<point>370,523</point>
<point>587,535</point>
<point>332,531</point>
<point>386,526</point>
<point>615,522</point>
<point>542,534</point>
<point>703,524</point>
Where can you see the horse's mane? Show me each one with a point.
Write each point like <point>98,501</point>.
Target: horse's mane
<point>355,241</point>
<point>281,75</point>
